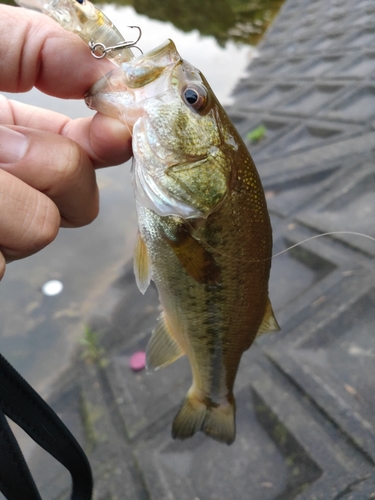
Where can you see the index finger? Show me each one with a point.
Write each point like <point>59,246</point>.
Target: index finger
<point>36,51</point>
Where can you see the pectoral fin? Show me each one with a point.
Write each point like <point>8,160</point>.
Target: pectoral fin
<point>142,267</point>
<point>162,349</point>
<point>269,323</point>
<point>195,259</point>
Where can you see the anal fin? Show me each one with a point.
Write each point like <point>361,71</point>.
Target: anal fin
<point>162,349</point>
<point>269,322</point>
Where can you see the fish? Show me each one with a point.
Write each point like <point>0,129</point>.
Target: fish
<point>89,23</point>
<point>205,237</point>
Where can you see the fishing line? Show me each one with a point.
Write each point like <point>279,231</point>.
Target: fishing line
<point>319,236</point>
<point>331,233</point>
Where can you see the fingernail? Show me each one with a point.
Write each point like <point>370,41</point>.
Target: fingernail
<point>13,145</point>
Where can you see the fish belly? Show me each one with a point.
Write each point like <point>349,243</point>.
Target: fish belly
<point>213,323</point>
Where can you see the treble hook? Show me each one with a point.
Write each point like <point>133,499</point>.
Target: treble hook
<point>99,50</point>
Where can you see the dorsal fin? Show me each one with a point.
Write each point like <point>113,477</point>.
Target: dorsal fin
<point>142,266</point>
<point>162,348</point>
<point>269,323</point>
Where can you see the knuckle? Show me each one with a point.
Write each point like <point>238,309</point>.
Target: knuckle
<point>29,220</point>
<point>43,226</point>
<point>69,161</point>
<point>48,222</point>
<point>84,214</point>
<point>93,212</point>
<point>89,217</point>
<point>6,115</point>
<point>2,266</point>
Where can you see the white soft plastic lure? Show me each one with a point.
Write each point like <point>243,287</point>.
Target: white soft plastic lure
<point>89,23</point>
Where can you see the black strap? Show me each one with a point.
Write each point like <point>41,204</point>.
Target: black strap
<point>20,402</point>
<point>15,477</point>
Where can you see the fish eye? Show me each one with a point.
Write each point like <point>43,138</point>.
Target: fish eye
<point>195,96</point>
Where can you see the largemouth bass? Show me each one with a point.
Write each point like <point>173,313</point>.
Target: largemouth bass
<point>205,237</point>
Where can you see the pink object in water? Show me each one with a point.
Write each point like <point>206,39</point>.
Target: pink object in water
<point>138,361</point>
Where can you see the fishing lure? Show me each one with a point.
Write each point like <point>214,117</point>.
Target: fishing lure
<point>90,24</point>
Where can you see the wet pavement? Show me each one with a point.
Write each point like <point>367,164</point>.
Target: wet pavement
<point>305,395</point>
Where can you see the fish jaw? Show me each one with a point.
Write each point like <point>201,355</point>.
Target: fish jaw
<point>121,93</point>
<point>110,96</point>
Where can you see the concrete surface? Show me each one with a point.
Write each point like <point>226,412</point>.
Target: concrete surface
<point>306,395</point>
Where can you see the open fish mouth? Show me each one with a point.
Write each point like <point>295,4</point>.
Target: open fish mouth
<point>116,87</point>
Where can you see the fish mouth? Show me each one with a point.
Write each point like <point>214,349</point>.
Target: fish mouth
<point>162,56</point>
<point>116,86</point>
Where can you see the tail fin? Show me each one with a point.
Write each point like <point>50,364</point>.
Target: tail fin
<point>217,421</point>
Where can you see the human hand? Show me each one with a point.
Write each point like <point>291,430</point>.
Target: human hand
<point>48,161</point>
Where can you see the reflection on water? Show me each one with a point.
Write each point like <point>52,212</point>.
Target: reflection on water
<point>242,21</point>
<point>237,20</point>
<point>222,66</point>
